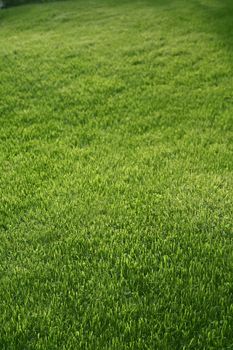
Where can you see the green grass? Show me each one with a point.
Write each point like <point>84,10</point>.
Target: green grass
<point>116,179</point>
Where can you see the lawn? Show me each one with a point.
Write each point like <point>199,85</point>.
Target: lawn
<point>116,182</point>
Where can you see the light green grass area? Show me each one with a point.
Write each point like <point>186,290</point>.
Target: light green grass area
<point>116,182</point>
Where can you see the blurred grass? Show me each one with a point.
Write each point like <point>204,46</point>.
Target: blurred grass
<point>116,175</point>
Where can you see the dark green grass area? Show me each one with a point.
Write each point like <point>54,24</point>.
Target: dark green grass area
<point>116,156</point>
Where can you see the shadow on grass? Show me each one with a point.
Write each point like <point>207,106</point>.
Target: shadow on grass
<point>13,3</point>
<point>214,16</point>
<point>218,18</point>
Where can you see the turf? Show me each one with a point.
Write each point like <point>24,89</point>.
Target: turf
<point>116,159</point>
